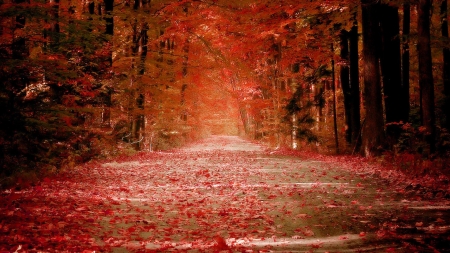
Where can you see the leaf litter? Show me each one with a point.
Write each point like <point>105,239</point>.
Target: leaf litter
<point>221,195</point>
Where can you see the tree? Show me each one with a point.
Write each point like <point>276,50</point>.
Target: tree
<point>49,74</point>
<point>446,63</point>
<point>405,59</point>
<point>52,34</point>
<point>333,88</point>
<point>373,132</point>
<point>107,89</point>
<point>391,69</point>
<point>355,114</point>
<point>345,83</point>
<point>349,76</point>
<point>137,100</point>
<point>184,87</point>
<point>426,73</point>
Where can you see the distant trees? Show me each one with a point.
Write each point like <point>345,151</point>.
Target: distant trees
<point>48,81</point>
<point>389,115</point>
<point>395,70</point>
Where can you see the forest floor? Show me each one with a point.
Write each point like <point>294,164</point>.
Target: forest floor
<point>224,194</point>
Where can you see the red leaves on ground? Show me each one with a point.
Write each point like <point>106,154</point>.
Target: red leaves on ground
<point>191,200</point>
<point>221,244</point>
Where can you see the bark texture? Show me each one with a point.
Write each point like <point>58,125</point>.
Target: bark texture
<point>426,73</point>
<point>373,131</point>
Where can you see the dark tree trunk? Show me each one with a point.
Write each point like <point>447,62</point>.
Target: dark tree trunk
<point>184,114</point>
<point>345,84</point>
<point>184,86</point>
<point>140,101</point>
<point>91,8</point>
<point>373,132</point>
<point>133,97</point>
<point>425,72</point>
<point>109,7</point>
<point>19,48</point>
<point>139,50</point>
<point>355,114</point>
<point>109,30</point>
<point>139,44</point>
<point>333,87</point>
<point>446,64</point>
<point>54,26</point>
<point>405,60</point>
<point>391,70</point>
<point>143,48</point>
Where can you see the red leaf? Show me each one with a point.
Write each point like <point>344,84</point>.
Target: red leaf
<point>221,244</point>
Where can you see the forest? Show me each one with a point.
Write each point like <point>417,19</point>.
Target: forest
<point>90,79</point>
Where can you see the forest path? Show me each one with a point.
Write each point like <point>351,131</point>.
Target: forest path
<point>221,194</point>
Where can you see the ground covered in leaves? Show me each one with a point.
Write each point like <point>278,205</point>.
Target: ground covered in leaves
<point>224,194</point>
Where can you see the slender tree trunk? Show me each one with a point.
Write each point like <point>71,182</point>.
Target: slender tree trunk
<point>426,73</point>
<point>391,69</point>
<point>355,113</point>
<point>18,48</point>
<point>295,68</point>
<point>184,113</point>
<point>276,47</point>
<point>373,132</point>
<point>143,49</point>
<point>320,104</point>
<point>345,84</point>
<point>109,30</point>
<point>52,34</point>
<point>446,64</point>
<point>132,102</point>
<point>140,100</point>
<point>109,7</point>
<point>139,50</point>
<point>333,87</point>
<point>184,86</point>
<point>405,61</point>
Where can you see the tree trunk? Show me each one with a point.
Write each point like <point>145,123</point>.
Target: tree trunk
<point>345,84</point>
<point>355,114</point>
<point>425,72</point>
<point>184,113</point>
<point>333,87</point>
<point>276,76</point>
<point>373,132</point>
<point>54,30</point>
<point>139,51</point>
<point>18,48</point>
<point>446,64</point>
<point>391,70</point>
<point>405,60</point>
<point>140,100</point>
<point>295,68</point>
<point>109,6</point>
<point>109,30</point>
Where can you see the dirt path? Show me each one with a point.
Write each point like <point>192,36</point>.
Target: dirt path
<point>222,194</point>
